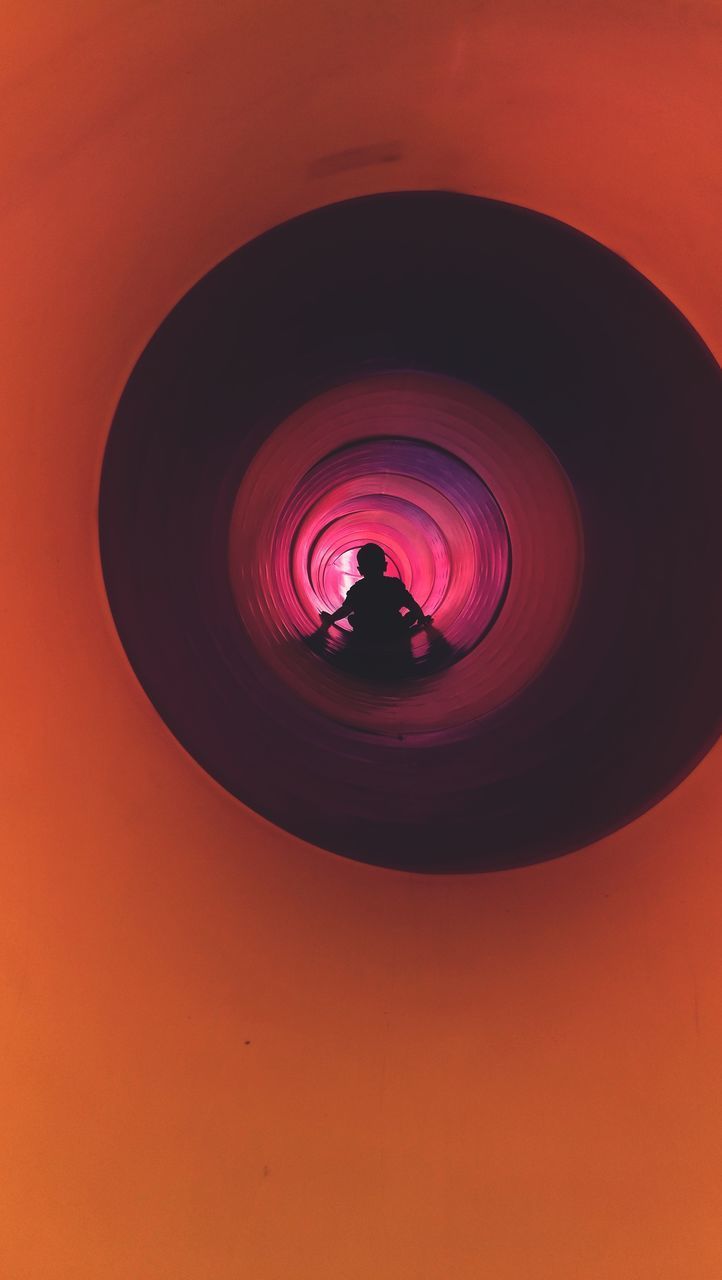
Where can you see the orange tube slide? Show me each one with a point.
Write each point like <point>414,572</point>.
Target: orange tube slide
<point>226,1053</point>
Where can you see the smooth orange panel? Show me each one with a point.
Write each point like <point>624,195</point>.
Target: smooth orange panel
<point>225,1053</point>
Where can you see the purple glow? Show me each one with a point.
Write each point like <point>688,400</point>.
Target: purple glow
<point>439,525</point>
<point>452,485</point>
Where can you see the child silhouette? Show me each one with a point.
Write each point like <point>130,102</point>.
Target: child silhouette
<point>373,604</point>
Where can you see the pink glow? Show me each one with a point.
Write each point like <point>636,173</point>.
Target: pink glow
<point>474,514</point>
<point>439,525</point>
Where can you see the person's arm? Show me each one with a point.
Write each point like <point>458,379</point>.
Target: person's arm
<point>414,609</point>
<point>342,612</point>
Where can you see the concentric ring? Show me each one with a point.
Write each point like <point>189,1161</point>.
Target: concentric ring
<point>339,348</point>
<point>469,487</point>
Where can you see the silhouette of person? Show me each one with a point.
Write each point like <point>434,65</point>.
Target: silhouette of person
<point>373,604</point>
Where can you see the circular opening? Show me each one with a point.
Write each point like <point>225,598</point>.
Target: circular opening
<point>440,527</point>
<point>468,384</point>
<point>462,490</point>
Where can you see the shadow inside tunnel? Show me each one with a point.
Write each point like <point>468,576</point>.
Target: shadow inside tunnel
<point>418,651</point>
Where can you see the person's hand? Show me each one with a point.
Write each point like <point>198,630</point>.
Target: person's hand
<point>427,620</point>
<point>325,619</point>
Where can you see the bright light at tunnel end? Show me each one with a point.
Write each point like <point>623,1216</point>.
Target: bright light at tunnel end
<point>473,511</point>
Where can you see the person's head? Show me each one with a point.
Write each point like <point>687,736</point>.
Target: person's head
<point>371,560</point>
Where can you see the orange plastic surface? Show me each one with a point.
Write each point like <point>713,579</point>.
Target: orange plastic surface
<point>224,1053</point>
